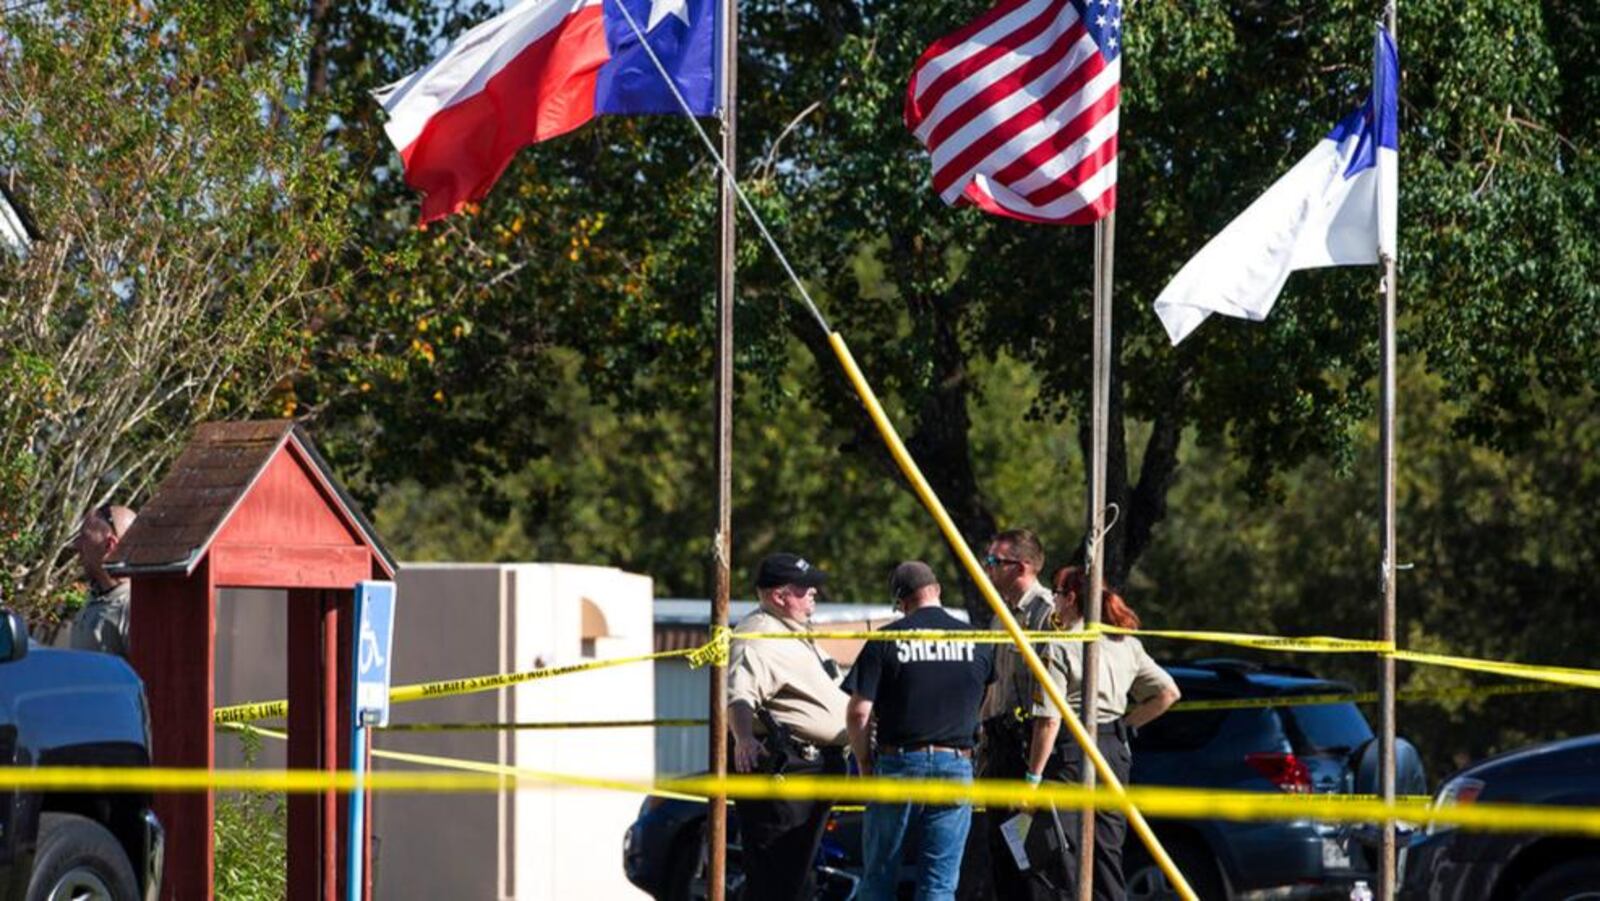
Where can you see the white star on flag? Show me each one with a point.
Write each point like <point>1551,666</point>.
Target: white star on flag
<point>1100,20</point>
<point>660,9</point>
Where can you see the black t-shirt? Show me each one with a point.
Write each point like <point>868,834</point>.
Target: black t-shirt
<point>924,692</point>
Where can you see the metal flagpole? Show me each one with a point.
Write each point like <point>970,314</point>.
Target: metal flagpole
<point>1386,676</point>
<point>1104,247</point>
<point>722,551</point>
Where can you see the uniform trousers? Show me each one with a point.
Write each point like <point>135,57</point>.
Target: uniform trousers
<point>779,839</point>
<point>1005,752</point>
<point>1059,875</point>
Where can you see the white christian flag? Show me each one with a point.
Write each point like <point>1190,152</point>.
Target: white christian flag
<point>1336,207</point>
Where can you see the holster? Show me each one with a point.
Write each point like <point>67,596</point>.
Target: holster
<point>778,742</point>
<point>1004,747</point>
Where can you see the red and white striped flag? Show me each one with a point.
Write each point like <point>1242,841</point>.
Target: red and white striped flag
<point>1019,110</point>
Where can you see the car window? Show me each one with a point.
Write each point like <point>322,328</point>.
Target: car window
<point>1326,728</point>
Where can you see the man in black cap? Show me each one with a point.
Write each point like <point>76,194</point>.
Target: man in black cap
<point>786,713</point>
<point>926,696</point>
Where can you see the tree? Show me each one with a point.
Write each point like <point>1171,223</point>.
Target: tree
<point>184,204</point>
<point>600,241</point>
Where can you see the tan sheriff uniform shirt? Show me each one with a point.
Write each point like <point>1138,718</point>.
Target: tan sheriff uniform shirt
<point>102,624</point>
<point>1125,671</point>
<point>788,679</point>
<point>1013,682</point>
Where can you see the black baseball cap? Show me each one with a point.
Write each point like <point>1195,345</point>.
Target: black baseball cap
<point>788,569</point>
<point>910,577</point>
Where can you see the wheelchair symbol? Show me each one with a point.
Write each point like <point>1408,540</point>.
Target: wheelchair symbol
<point>371,654</point>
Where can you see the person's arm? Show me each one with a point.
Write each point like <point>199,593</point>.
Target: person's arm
<point>746,747</point>
<point>858,722</point>
<point>1147,710</point>
<point>1152,683</point>
<point>1056,657</point>
<point>1045,730</point>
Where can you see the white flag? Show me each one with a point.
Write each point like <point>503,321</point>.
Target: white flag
<point>1336,207</point>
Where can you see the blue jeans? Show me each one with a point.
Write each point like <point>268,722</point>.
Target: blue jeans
<point>944,829</point>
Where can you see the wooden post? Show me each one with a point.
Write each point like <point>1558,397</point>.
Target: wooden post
<point>320,623</point>
<point>305,740</point>
<point>722,538</point>
<point>1104,232</point>
<point>174,623</point>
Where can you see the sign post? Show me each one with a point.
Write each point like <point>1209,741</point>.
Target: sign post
<point>374,644</point>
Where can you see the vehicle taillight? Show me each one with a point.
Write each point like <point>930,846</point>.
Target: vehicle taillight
<point>1460,790</point>
<point>1285,770</point>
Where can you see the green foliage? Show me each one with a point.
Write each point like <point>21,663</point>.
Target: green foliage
<point>602,243</point>
<point>1500,548</point>
<point>251,839</point>
<point>177,178</point>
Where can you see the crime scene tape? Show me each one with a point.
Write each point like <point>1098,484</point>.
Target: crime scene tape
<point>513,727</point>
<point>1309,644</point>
<point>244,713</point>
<point>1315,644</point>
<point>494,769</point>
<point>613,784</point>
<point>1561,675</point>
<point>1156,801</point>
<point>1466,693</point>
<point>1366,697</point>
<point>715,651</point>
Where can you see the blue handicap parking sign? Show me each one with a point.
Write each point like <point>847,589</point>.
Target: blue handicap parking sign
<point>374,645</point>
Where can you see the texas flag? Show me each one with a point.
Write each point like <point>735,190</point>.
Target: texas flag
<point>538,70</point>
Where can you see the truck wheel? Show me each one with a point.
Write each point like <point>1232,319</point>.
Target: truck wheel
<point>78,860</point>
<point>688,866</point>
<point>1577,880</point>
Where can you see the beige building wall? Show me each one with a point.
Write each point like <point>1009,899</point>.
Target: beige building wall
<point>537,843</point>
<point>455,620</point>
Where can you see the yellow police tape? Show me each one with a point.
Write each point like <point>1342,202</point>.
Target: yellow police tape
<point>493,769</point>
<point>1561,675</point>
<point>515,727</point>
<point>1465,693</point>
<point>1314,644</point>
<point>244,713</point>
<point>588,782</point>
<point>715,651</point>
<point>1309,643</point>
<point>1176,803</point>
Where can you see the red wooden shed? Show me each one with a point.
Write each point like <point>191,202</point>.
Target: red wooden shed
<point>249,505</point>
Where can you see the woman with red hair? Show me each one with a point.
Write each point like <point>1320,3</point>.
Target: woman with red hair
<point>1126,674</point>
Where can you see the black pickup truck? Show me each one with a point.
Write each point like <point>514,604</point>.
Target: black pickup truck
<point>73,708</point>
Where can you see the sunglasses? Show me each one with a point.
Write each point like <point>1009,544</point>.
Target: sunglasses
<point>992,561</point>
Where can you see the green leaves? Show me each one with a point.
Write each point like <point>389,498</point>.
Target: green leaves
<point>185,201</point>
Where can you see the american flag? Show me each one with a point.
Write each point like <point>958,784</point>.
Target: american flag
<point>1019,110</point>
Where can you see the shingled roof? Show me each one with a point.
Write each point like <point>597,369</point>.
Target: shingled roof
<point>206,485</point>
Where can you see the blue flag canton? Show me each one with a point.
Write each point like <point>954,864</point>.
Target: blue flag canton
<point>1376,123</point>
<point>1103,19</point>
<point>682,33</point>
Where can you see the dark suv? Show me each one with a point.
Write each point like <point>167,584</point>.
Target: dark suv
<point>73,708</point>
<point>1447,864</point>
<point>1312,748</point>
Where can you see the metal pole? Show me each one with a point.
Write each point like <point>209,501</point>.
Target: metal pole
<point>1104,246</point>
<point>1386,676</point>
<point>722,540</point>
<point>359,749</point>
